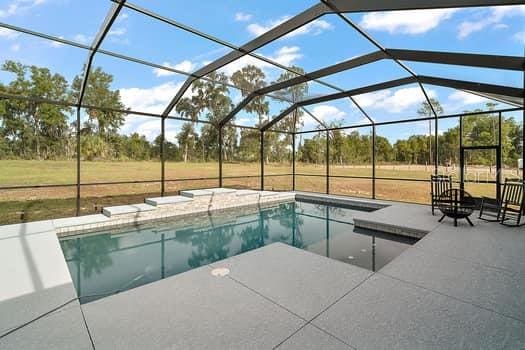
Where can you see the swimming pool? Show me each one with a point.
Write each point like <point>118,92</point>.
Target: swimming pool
<point>125,258</point>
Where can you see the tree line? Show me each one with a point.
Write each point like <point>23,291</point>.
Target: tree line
<point>35,130</point>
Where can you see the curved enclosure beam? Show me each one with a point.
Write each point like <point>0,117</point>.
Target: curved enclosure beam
<point>513,101</point>
<point>452,58</point>
<point>104,29</point>
<point>474,86</point>
<point>501,91</point>
<point>359,91</point>
<point>342,66</point>
<point>312,14</point>
<point>389,5</point>
<point>460,59</point>
<point>338,95</point>
<point>275,33</point>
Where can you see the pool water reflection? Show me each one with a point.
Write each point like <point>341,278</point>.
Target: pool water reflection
<point>122,259</point>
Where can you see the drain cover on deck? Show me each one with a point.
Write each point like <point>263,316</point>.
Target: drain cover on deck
<point>220,272</point>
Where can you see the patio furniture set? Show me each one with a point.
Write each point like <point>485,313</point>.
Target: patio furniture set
<point>457,203</point>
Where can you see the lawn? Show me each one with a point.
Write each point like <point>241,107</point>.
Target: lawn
<point>41,203</point>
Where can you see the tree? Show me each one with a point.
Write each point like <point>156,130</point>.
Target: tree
<point>212,99</point>
<point>294,120</point>
<point>248,79</point>
<point>427,110</point>
<point>99,93</point>
<point>187,139</point>
<point>294,93</point>
<point>33,126</point>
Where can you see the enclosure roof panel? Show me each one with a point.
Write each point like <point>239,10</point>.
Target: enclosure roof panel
<point>331,49</point>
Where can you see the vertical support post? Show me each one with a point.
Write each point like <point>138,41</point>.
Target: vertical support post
<point>523,134</point>
<point>293,148</point>
<point>498,158</point>
<point>78,161</point>
<point>262,160</point>
<point>104,30</point>
<point>373,162</point>
<point>293,162</point>
<point>327,162</point>
<point>461,159</point>
<point>436,139</point>
<point>162,157</point>
<point>220,156</point>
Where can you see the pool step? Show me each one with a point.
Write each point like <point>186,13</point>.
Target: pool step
<point>221,190</point>
<point>240,193</point>
<point>189,202</point>
<point>196,193</point>
<point>159,201</point>
<point>127,209</point>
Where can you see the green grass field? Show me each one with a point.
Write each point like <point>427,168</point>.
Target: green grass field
<point>42,203</point>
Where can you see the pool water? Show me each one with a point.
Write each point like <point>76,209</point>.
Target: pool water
<point>121,259</point>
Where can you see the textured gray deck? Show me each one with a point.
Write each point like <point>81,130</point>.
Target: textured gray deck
<point>457,288</point>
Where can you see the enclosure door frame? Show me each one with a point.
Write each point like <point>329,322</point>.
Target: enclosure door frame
<point>497,148</point>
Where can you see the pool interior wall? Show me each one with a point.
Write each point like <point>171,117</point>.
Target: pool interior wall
<point>114,260</point>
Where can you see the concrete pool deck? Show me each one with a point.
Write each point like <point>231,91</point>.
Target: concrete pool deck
<point>458,287</point>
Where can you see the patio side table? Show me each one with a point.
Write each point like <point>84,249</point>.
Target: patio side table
<point>456,204</point>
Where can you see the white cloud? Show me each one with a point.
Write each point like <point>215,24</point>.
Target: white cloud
<point>501,26</point>
<point>150,100</point>
<point>286,55</point>
<point>117,31</point>
<point>8,34</point>
<point>149,127</point>
<point>185,66</point>
<point>17,7</point>
<point>315,27</point>
<point>242,17</point>
<point>82,39</point>
<point>327,113</point>
<point>15,47</point>
<point>520,37</point>
<point>122,17</point>
<point>394,102</point>
<point>490,17</point>
<point>465,98</point>
<point>406,22</point>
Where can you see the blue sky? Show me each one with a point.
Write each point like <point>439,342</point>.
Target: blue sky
<point>323,42</point>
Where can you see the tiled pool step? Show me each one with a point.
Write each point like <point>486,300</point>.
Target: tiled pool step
<point>189,202</point>
<point>159,201</point>
<point>196,193</point>
<point>127,209</point>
